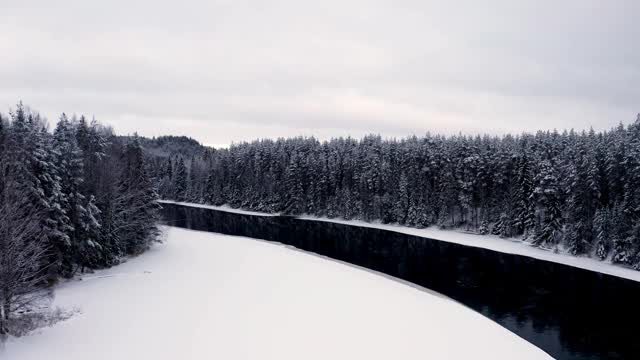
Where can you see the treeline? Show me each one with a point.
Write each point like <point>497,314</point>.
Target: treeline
<point>71,199</point>
<point>571,191</point>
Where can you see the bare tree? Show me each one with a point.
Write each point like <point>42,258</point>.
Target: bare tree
<point>22,251</point>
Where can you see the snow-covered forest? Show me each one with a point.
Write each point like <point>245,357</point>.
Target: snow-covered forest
<point>572,191</point>
<point>72,198</point>
<point>76,197</point>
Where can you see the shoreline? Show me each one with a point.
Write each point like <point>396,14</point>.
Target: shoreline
<point>490,242</point>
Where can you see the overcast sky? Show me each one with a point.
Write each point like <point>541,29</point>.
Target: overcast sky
<point>232,70</point>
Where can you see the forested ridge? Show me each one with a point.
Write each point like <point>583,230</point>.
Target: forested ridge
<point>568,191</point>
<point>71,199</point>
<point>78,197</point>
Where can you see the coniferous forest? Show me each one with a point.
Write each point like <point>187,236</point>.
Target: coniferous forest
<point>570,191</point>
<point>72,198</point>
<point>77,197</point>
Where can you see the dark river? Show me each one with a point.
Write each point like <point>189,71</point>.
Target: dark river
<point>568,312</point>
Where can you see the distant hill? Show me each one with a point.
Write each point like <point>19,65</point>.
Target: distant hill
<point>165,146</point>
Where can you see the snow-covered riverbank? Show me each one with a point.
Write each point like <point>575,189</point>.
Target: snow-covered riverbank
<point>209,296</point>
<point>224,208</point>
<point>490,242</point>
<point>496,243</point>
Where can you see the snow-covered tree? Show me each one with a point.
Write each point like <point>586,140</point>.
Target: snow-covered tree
<point>73,199</point>
<point>69,163</point>
<point>549,217</point>
<point>602,230</point>
<point>180,183</point>
<point>523,205</point>
<point>23,245</point>
<point>138,206</point>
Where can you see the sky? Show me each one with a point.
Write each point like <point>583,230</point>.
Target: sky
<point>224,71</point>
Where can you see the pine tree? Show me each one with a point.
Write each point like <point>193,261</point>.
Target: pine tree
<point>180,183</point>
<point>549,213</point>
<point>22,248</point>
<point>69,161</point>
<point>93,145</point>
<point>89,249</point>
<point>583,191</point>
<point>602,225</point>
<point>503,226</point>
<point>484,227</point>
<point>3,137</point>
<point>31,161</point>
<point>621,246</point>
<point>447,200</point>
<point>193,191</point>
<point>137,207</point>
<point>524,218</point>
<point>210,190</point>
<point>402,203</point>
<point>295,192</point>
<point>615,164</point>
<point>631,204</point>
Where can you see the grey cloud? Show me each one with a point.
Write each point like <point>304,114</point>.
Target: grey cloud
<point>226,71</point>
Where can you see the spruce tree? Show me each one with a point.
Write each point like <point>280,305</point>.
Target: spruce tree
<point>602,229</point>
<point>69,161</point>
<point>180,183</point>
<point>402,201</point>
<point>631,203</point>
<point>524,211</point>
<point>138,208</point>
<point>547,194</point>
<point>294,194</point>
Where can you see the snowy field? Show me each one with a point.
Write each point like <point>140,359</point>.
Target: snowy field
<point>209,296</point>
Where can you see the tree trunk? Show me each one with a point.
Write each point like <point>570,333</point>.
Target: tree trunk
<point>7,309</point>
<point>4,317</point>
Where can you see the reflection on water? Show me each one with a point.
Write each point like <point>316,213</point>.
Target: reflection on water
<point>568,312</point>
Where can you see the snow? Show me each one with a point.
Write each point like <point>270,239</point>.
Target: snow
<point>209,296</point>
<point>224,208</point>
<point>496,243</point>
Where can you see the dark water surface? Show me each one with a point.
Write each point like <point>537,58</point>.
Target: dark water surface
<point>568,312</point>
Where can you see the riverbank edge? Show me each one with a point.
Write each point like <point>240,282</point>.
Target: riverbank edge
<point>515,246</point>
